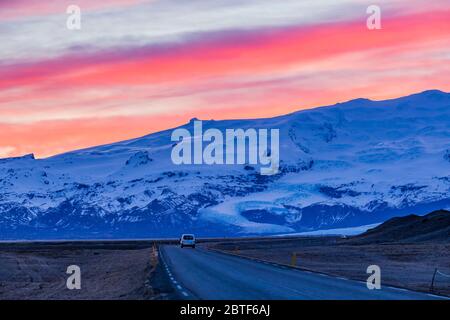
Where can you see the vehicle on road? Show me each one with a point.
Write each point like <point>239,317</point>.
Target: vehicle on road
<point>187,240</point>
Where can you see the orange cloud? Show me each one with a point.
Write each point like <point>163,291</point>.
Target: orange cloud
<point>79,101</point>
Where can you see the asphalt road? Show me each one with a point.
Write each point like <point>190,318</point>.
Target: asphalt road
<point>203,274</point>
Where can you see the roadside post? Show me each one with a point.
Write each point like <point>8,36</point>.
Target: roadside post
<point>294,259</point>
<point>432,280</point>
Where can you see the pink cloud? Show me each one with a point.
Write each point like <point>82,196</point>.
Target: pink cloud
<point>255,74</point>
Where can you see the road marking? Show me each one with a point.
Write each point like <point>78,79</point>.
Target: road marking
<point>395,288</point>
<point>399,289</point>
<point>184,293</point>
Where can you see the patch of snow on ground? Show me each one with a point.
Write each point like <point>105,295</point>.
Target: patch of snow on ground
<point>353,231</point>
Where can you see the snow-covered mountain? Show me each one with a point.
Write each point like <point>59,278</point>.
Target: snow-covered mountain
<point>345,165</point>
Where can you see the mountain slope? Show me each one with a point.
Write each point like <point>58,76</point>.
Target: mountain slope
<point>434,226</point>
<point>349,164</point>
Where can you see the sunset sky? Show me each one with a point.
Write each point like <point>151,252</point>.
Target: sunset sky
<point>136,67</point>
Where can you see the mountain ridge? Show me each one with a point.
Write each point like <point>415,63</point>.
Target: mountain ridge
<point>351,101</point>
<point>341,166</point>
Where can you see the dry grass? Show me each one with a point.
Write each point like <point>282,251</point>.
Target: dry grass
<point>105,273</point>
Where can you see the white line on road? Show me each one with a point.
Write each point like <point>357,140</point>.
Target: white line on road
<point>399,289</point>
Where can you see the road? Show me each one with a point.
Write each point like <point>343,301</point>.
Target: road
<point>204,274</point>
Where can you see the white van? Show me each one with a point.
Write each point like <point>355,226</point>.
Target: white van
<point>187,240</point>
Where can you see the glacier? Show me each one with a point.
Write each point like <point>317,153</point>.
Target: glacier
<point>341,166</point>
